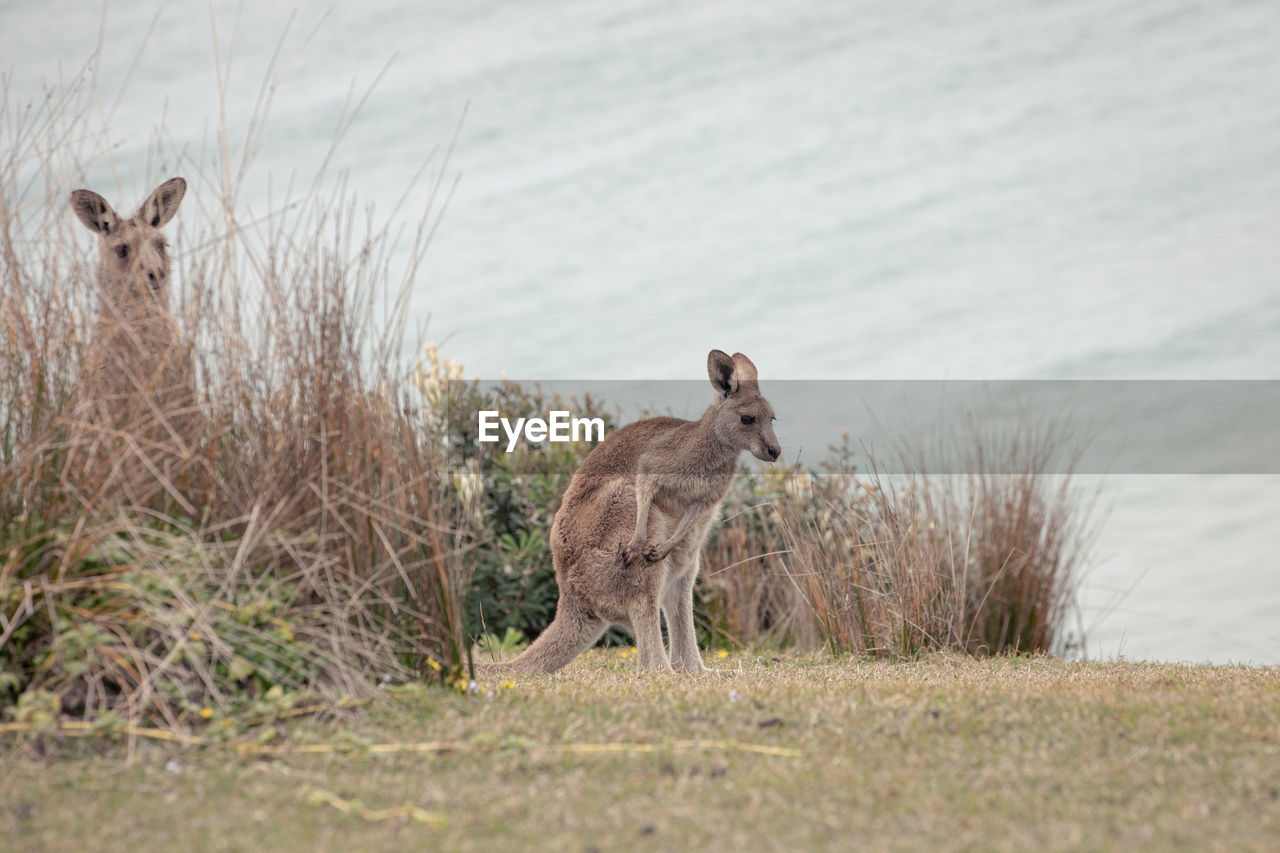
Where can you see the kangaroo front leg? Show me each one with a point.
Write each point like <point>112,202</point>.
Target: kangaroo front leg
<point>646,624</point>
<point>662,549</point>
<point>646,487</point>
<point>677,604</point>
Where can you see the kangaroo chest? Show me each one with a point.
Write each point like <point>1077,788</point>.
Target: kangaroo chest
<point>676,491</point>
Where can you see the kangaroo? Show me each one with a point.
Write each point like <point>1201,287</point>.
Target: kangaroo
<point>627,539</point>
<point>135,331</point>
<point>135,380</point>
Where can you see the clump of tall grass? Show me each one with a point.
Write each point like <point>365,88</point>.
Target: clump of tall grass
<point>284,523</point>
<point>749,595</point>
<point>985,562</point>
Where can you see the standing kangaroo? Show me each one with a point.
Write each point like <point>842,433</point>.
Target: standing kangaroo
<point>627,539</point>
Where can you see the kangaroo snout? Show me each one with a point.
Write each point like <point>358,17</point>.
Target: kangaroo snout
<point>767,452</point>
<point>769,444</point>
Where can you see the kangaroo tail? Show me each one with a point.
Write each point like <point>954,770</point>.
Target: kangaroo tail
<point>569,635</point>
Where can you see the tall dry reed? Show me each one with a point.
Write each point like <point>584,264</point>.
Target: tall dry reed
<point>987,561</point>
<point>285,522</point>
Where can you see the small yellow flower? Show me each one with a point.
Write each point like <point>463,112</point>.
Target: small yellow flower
<point>195,635</point>
<point>434,664</point>
<point>506,685</point>
<point>722,654</point>
<point>206,713</point>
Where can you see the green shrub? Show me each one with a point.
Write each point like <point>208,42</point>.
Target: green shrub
<point>512,499</point>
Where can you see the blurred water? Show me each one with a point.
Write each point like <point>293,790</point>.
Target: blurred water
<point>985,190</point>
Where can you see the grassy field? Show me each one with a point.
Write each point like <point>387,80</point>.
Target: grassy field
<point>790,753</point>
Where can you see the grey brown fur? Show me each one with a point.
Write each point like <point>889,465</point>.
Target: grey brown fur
<point>135,331</point>
<point>136,384</point>
<point>617,565</point>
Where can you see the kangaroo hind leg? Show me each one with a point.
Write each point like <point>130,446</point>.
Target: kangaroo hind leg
<point>677,606</point>
<point>646,625</point>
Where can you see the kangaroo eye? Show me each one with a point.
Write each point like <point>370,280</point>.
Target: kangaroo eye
<point>122,252</point>
<point>748,419</point>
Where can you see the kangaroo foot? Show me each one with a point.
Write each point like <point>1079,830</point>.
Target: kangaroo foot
<point>694,666</point>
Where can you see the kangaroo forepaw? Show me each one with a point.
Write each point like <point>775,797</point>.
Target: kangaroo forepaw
<point>634,553</point>
<point>656,553</point>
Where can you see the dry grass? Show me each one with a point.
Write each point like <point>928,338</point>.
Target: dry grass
<point>943,752</point>
<point>748,586</point>
<point>985,562</point>
<point>282,521</point>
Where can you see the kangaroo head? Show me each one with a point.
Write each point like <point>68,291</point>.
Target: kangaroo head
<point>133,268</point>
<point>740,418</point>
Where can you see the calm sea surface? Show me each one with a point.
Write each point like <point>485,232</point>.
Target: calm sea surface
<point>987,190</point>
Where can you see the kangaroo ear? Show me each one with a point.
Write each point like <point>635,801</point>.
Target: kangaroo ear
<point>93,210</point>
<point>721,371</point>
<point>163,203</point>
<point>743,369</point>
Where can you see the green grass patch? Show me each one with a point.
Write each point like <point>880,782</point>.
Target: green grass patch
<point>794,752</point>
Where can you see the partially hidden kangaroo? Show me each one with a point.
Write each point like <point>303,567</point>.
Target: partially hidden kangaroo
<point>136,384</point>
<point>628,536</point>
<point>135,332</point>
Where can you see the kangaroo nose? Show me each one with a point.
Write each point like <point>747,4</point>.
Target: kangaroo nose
<point>774,452</point>
<point>155,278</point>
